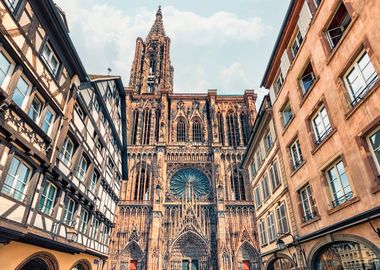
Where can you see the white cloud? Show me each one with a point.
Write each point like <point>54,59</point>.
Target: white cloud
<point>233,76</point>
<point>105,36</point>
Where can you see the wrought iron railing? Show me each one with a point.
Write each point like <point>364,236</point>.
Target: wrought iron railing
<point>340,200</point>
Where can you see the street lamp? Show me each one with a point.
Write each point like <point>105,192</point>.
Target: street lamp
<point>281,245</point>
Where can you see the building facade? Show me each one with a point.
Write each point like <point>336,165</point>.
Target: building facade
<point>62,139</point>
<point>187,204</point>
<point>273,207</point>
<point>323,80</point>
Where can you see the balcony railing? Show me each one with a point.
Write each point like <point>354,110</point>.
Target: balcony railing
<point>297,163</point>
<point>342,199</point>
<point>13,192</point>
<point>322,136</point>
<point>359,96</point>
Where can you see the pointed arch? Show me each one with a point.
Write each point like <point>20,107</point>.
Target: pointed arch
<point>197,130</point>
<point>146,126</point>
<point>181,130</point>
<point>233,129</point>
<point>244,127</point>
<point>237,185</point>
<point>81,265</point>
<point>248,255</point>
<point>220,127</point>
<point>135,124</point>
<point>142,182</point>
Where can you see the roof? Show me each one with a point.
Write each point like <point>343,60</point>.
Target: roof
<point>157,29</point>
<point>278,40</point>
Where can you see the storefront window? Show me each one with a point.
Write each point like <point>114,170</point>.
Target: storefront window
<point>346,255</point>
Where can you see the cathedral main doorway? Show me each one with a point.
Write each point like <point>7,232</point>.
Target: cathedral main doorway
<point>189,252</point>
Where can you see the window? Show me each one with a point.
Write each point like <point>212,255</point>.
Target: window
<point>338,26</point>
<point>286,114</point>
<point>360,77</point>
<point>6,69</point>
<point>197,131</point>
<point>233,129</point>
<point>265,187</point>
<point>374,143</point>
<point>296,154</point>
<point>279,82</point>
<point>282,219</point>
<point>84,217</point>
<point>96,105</point>
<point>47,121</point>
<point>95,228</point>
<point>67,152</point>
<point>253,168</point>
<point>258,197</point>
<point>259,158</point>
<point>263,235</point>
<point>106,231</point>
<point>307,79</point>
<point>271,227</point>
<point>274,175</point>
<point>181,131</point>
<point>79,111</point>
<point>35,110</point>
<point>146,126</point>
<point>82,169</point>
<point>13,5</point>
<point>142,182</point>
<point>50,59</point>
<point>237,185</point>
<point>94,181</point>
<point>296,44</point>
<point>17,179</point>
<point>307,203</point>
<point>69,211</point>
<point>338,182</point>
<point>321,125</point>
<point>268,141</point>
<point>47,199</point>
<point>21,92</point>
<point>221,128</point>
<point>244,127</point>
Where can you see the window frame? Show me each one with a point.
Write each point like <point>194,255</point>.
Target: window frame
<point>15,180</point>
<point>330,44</point>
<point>27,93</point>
<point>44,197</point>
<point>48,58</point>
<point>284,108</point>
<point>296,163</point>
<point>301,81</point>
<point>8,74</point>
<point>337,201</point>
<point>274,165</point>
<point>310,203</point>
<point>263,233</point>
<point>372,151</point>
<point>282,220</point>
<point>272,233</point>
<point>43,120</point>
<point>63,152</point>
<point>67,211</point>
<point>357,96</point>
<point>319,137</point>
<point>298,41</point>
<point>266,186</point>
<point>81,172</point>
<point>83,223</point>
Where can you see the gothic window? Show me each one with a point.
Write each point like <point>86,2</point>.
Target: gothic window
<point>142,182</point>
<point>152,66</point>
<point>197,131</point>
<point>233,129</point>
<point>221,128</point>
<point>245,127</point>
<point>237,185</point>
<point>145,129</point>
<point>135,122</point>
<point>181,131</point>
<point>157,128</point>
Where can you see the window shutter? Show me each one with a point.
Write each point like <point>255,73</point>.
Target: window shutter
<point>272,94</point>
<point>304,19</point>
<point>285,64</point>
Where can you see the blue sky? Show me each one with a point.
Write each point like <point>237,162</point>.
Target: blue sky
<point>222,44</point>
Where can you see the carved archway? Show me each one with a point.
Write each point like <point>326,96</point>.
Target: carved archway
<point>247,255</point>
<point>39,260</point>
<point>132,254</point>
<point>189,248</point>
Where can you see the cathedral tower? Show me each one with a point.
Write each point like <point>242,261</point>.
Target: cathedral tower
<point>151,69</point>
<point>187,203</point>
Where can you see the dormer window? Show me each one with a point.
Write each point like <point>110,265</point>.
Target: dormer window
<point>50,59</point>
<point>338,25</point>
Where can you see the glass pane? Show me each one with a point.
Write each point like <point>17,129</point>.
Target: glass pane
<point>35,110</point>
<point>4,68</point>
<point>21,91</point>
<point>375,143</point>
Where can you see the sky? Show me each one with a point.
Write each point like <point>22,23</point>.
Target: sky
<point>215,44</point>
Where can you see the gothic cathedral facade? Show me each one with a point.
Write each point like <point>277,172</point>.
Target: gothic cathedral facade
<point>187,203</point>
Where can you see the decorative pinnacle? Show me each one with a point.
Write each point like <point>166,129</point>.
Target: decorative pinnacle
<point>159,13</point>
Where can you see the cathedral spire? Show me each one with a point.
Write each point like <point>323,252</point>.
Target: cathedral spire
<point>157,29</point>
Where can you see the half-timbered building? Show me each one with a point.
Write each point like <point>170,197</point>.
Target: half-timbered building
<point>62,138</point>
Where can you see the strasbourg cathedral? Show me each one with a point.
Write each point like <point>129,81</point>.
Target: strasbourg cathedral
<point>187,204</point>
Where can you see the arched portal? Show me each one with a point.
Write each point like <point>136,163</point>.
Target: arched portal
<point>248,257</point>
<point>189,252</point>
<point>81,265</point>
<point>39,261</point>
<point>132,257</point>
<point>281,262</point>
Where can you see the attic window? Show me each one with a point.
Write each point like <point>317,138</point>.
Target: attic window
<point>338,26</point>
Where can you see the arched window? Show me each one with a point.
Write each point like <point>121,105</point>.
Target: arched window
<point>135,123</point>
<point>237,185</point>
<point>146,124</point>
<point>233,129</point>
<point>197,131</point>
<point>181,131</point>
<point>244,127</point>
<point>142,183</point>
<point>157,128</point>
<point>220,128</point>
